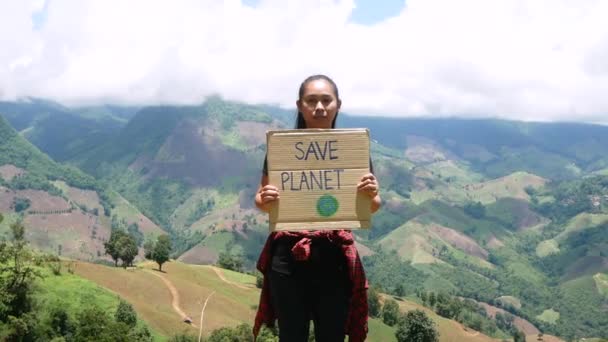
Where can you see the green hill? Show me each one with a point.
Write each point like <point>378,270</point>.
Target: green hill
<point>81,129</point>
<point>67,211</point>
<point>484,209</point>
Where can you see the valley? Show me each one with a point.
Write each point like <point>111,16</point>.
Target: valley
<point>503,213</point>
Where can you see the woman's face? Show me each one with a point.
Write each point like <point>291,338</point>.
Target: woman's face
<point>318,104</point>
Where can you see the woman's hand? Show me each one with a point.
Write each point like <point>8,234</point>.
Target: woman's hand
<point>368,185</point>
<point>268,193</point>
<point>266,196</point>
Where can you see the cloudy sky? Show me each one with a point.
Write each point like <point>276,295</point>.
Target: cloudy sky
<point>529,60</point>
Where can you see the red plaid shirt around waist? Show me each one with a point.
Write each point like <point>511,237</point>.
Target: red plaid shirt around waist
<point>356,323</point>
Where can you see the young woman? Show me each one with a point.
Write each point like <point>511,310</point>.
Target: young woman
<point>314,274</point>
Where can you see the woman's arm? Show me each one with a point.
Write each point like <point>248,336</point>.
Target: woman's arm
<point>266,195</point>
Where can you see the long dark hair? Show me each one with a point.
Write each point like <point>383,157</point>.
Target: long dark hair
<point>300,123</point>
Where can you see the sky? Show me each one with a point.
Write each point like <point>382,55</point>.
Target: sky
<point>532,60</point>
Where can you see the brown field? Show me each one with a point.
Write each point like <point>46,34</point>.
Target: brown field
<point>546,338</point>
<point>200,255</point>
<point>146,225</point>
<point>73,231</point>
<point>494,242</point>
<point>6,199</point>
<point>89,198</point>
<point>523,325</point>
<point>460,241</point>
<point>150,296</point>
<point>8,171</point>
<point>41,201</point>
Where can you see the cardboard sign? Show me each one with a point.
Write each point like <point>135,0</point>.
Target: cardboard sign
<point>317,172</point>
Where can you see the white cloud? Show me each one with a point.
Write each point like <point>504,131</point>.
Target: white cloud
<point>531,60</point>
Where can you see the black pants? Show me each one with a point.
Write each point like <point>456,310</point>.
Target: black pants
<point>313,290</point>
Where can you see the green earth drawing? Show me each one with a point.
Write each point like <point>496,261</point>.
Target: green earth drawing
<point>327,205</point>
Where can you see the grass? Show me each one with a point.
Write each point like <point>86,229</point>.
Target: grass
<point>580,222</point>
<point>5,230</point>
<point>456,174</point>
<point>240,278</point>
<point>549,316</point>
<point>123,209</point>
<point>411,243</point>
<point>182,213</point>
<point>218,241</point>
<point>380,332</point>
<point>449,330</point>
<point>74,293</point>
<point>601,282</point>
<point>547,248</point>
<point>230,305</point>
<point>511,186</point>
<point>148,294</point>
<point>525,271</point>
<point>516,303</point>
<point>233,139</point>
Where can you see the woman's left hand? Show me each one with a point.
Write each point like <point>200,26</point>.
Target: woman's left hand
<point>369,185</point>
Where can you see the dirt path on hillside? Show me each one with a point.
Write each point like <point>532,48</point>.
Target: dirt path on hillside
<point>220,274</point>
<point>174,295</point>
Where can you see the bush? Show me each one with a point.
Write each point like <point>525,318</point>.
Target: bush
<point>390,312</point>
<point>416,326</point>
<point>126,314</point>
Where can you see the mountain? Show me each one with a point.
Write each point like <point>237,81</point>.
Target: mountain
<point>496,147</point>
<point>81,128</point>
<point>66,211</point>
<point>483,209</point>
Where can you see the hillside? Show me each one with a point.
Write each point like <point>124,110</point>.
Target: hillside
<point>483,209</point>
<point>81,128</point>
<point>234,299</point>
<point>66,211</point>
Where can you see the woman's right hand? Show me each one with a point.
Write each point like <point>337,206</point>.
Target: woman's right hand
<point>269,193</point>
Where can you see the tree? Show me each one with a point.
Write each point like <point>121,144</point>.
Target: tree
<point>16,276</point>
<point>519,336</point>
<point>149,249</point>
<point>111,246</point>
<point>400,290</point>
<point>432,299</point>
<point>21,204</point>
<point>133,230</point>
<point>162,250</point>
<point>230,262</point>
<point>126,314</point>
<point>416,326</point>
<point>95,325</point>
<point>140,334</point>
<point>127,249</point>
<point>60,322</point>
<point>373,302</point>
<point>423,297</point>
<point>475,209</point>
<point>390,312</point>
